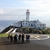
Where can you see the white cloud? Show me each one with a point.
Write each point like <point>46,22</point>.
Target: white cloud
<point>38,8</point>
<point>1,11</point>
<point>12,14</point>
<point>39,4</point>
<point>41,7</point>
<point>20,14</point>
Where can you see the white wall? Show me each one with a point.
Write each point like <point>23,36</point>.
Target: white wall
<point>25,24</point>
<point>18,25</point>
<point>38,25</point>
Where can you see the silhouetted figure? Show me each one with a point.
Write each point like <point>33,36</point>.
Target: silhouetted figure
<point>28,38</point>
<point>19,37</point>
<point>15,39</point>
<point>22,38</point>
<point>11,38</point>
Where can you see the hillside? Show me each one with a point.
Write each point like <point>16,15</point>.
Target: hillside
<point>27,30</point>
<point>7,29</point>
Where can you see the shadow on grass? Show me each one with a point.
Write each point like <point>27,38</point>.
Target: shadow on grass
<point>5,41</point>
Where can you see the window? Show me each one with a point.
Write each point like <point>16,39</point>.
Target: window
<point>26,23</point>
<point>29,24</point>
<point>23,23</point>
<point>43,24</point>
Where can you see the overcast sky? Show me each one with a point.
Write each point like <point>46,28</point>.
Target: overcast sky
<point>16,9</point>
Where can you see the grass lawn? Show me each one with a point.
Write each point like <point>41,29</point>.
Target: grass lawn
<point>48,34</point>
<point>3,35</point>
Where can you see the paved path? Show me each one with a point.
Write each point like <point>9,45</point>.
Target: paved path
<point>2,47</point>
<point>33,45</point>
<point>38,36</point>
<point>45,42</point>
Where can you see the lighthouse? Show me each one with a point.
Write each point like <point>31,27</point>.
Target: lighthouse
<point>27,15</point>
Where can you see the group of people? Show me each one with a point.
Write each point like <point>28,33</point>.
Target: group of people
<point>19,38</point>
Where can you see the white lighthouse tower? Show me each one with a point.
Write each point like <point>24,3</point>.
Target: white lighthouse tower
<point>27,15</point>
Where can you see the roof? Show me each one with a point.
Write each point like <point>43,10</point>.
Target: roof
<point>19,22</point>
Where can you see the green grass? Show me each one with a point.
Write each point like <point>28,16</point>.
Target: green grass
<point>48,34</point>
<point>3,35</point>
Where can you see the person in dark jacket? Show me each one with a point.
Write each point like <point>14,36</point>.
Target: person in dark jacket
<point>19,37</point>
<point>15,39</point>
<point>22,38</point>
<point>28,38</point>
<point>11,38</point>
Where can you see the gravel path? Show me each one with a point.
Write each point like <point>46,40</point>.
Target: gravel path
<point>2,47</point>
<point>6,45</point>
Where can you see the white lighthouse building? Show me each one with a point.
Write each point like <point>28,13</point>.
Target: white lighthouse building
<point>27,15</point>
<point>30,24</point>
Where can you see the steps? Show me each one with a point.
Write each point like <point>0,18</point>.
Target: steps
<point>9,30</point>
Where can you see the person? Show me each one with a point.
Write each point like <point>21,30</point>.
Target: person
<point>8,36</point>
<point>28,38</point>
<point>11,38</point>
<point>15,38</point>
<point>19,37</point>
<point>22,38</point>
